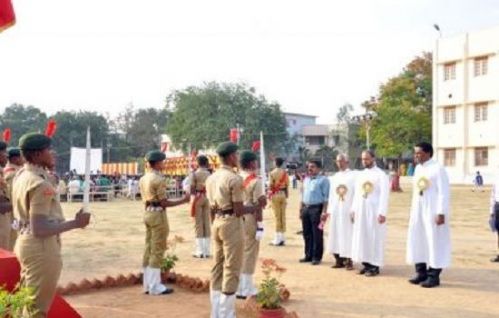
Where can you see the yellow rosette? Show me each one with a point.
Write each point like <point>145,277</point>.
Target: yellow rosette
<point>341,191</point>
<point>423,184</point>
<point>367,188</point>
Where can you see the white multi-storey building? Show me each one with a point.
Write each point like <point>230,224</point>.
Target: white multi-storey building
<point>466,104</point>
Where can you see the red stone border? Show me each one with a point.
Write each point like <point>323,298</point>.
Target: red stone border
<point>194,284</point>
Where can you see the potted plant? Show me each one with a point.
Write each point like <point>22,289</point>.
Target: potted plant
<point>171,259</point>
<point>268,296</point>
<point>167,264</point>
<point>17,305</point>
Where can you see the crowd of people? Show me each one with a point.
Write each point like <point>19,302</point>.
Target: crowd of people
<point>227,211</point>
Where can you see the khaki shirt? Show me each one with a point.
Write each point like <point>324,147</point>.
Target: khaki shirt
<point>252,190</point>
<point>9,172</point>
<point>223,188</point>
<point>32,193</point>
<point>198,178</point>
<point>153,186</point>
<point>276,176</point>
<point>3,185</point>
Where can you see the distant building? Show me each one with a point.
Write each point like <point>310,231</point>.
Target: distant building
<point>295,122</point>
<point>294,125</point>
<point>466,104</point>
<point>316,136</point>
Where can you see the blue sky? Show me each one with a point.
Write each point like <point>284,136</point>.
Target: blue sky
<point>310,56</point>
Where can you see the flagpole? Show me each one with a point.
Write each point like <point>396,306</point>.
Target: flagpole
<point>262,160</point>
<point>86,193</point>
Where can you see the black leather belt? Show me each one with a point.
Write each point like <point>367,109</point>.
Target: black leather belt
<point>309,206</point>
<point>225,212</point>
<point>154,204</point>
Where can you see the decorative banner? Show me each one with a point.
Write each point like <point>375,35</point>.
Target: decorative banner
<point>77,160</point>
<point>120,168</point>
<point>7,16</point>
<point>179,166</point>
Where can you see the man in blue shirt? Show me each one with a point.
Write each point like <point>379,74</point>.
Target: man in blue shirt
<point>315,194</point>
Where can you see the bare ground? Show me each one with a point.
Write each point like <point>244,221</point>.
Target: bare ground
<point>470,288</point>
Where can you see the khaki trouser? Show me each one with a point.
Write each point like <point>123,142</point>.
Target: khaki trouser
<point>228,240</point>
<point>202,223</point>
<point>251,245</point>
<point>5,231</point>
<point>279,207</point>
<point>41,266</point>
<point>157,230</point>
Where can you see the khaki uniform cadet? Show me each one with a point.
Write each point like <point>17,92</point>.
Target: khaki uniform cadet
<point>254,195</point>
<point>224,190</point>
<point>279,183</point>
<point>15,163</point>
<point>6,207</point>
<point>153,192</point>
<point>200,208</point>
<point>41,221</point>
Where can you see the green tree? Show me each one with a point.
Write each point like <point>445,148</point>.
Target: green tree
<point>145,130</point>
<point>403,110</point>
<point>327,155</point>
<point>22,119</point>
<point>203,116</point>
<point>344,113</point>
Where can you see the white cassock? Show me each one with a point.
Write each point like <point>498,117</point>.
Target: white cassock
<point>341,192</point>
<point>368,240</point>
<point>428,242</point>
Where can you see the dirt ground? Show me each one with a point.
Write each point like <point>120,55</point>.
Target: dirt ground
<point>470,288</point>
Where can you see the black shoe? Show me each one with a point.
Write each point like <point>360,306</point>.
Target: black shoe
<point>418,279</point>
<point>167,291</point>
<point>430,282</point>
<point>495,260</point>
<point>241,297</point>
<point>372,272</point>
<point>146,293</point>
<point>363,271</point>
<point>305,260</point>
<point>348,264</point>
<point>281,244</point>
<point>316,262</point>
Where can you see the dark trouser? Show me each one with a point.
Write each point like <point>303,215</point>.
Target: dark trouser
<point>312,235</point>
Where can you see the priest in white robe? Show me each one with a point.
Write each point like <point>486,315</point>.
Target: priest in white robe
<point>341,192</point>
<point>370,205</point>
<point>428,239</point>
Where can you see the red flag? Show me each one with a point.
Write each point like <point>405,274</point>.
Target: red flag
<point>233,136</point>
<point>256,145</point>
<point>7,16</point>
<point>7,134</point>
<point>51,127</point>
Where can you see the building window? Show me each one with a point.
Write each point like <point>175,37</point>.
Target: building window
<point>315,140</point>
<point>450,157</point>
<point>449,71</point>
<point>481,66</point>
<point>481,112</point>
<point>450,115</point>
<point>481,157</point>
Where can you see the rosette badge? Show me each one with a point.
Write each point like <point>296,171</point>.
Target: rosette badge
<point>423,184</point>
<point>367,188</point>
<point>341,191</point>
